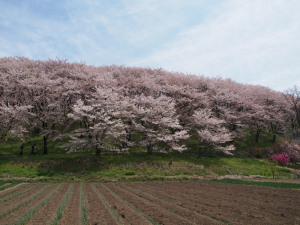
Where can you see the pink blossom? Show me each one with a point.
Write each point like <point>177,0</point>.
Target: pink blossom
<point>282,158</point>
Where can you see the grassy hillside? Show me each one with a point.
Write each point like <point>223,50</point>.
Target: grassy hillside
<point>135,165</point>
<point>130,167</point>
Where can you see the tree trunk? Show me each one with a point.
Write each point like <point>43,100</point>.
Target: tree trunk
<point>98,150</point>
<point>149,149</point>
<point>233,127</point>
<point>201,150</point>
<point>274,138</point>
<point>37,130</point>
<point>200,153</point>
<point>257,136</point>
<point>45,140</point>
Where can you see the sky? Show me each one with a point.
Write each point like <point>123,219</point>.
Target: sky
<point>250,41</point>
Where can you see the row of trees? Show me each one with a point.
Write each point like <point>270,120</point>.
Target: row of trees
<point>115,107</point>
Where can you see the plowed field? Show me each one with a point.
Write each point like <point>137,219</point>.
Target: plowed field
<point>201,202</point>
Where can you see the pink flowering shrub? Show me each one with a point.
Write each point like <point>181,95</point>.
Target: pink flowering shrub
<point>286,151</point>
<point>281,158</point>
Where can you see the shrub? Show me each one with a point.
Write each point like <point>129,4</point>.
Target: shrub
<point>281,158</point>
<point>281,150</point>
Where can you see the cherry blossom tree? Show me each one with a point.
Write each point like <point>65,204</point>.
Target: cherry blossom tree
<point>292,96</point>
<point>157,121</point>
<point>212,133</point>
<point>13,120</point>
<point>102,125</point>
<point>108,104</point>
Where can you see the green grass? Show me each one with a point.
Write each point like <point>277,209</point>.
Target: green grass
<point>58,166</point>
<point>131,167</point>
<point>84,219</point>
<point>259,183</point>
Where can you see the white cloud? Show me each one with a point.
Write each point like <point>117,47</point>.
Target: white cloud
<point>251,41</point>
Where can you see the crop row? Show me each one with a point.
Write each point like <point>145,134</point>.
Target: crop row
<point>141,203</point>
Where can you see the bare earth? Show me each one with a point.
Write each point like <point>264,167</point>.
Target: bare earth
<point>199,202</point>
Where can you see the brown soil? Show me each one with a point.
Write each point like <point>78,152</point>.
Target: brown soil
<point>72,213</point>
<point>5,191</point>
<point>97,212</point>
<point>48,212</point>
<point>199,202</point>
<point>18,200</point>
<point>126,214</point>
<point>154,211</point>
<point>17,215</point>
<point>194,217</point>
<point>15,190</point>
<point>23,190</point>
<point>237,204</point>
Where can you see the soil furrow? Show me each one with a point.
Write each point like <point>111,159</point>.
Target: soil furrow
<point>235,212</point>
<point>157,213</point>
<point>7,206</point>
<point>24,191</point>
<point>10,188</point>
<point>72,213</point>
<point>45,214</point>
<point>126,214</point>
<point>96,210</point>
<point>13,191</point>
<point>228,190</point>
<point>200,202</point>
<point>207,190</point>
<point>252,207</point>
<point>185,213</point>
<point>3,185</point>
<point>16,215</point>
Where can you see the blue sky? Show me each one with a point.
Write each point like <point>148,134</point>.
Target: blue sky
<point>250,41</point>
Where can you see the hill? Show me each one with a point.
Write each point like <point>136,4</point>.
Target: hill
<point>62,107</point>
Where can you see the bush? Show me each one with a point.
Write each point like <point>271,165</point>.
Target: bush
<point>281,158</point>
<point>286,150</point>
